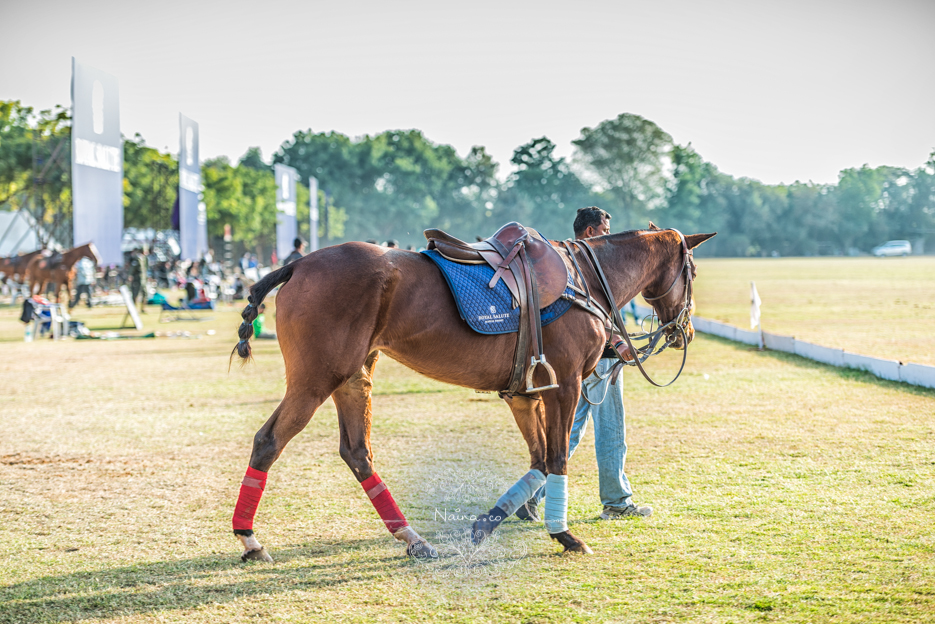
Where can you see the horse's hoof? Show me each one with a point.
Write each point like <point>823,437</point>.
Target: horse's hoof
<point>421,550</point>
<point>478,535</point>
<point>256,555</point>
<point>485,524</point>
<point>571,543</point>
<point>579,548</point>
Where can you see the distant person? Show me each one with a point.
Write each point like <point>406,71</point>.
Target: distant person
<point>84,280</point>
<point>259,325</point>
<point>392,244</point>
<point>138,278</point>
<point>632,305</point>
<point>372,241</point>
<point>298,246</point>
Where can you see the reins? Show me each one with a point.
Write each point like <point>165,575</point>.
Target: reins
<point>678,324</point>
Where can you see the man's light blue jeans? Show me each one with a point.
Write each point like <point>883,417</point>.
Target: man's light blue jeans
<point>610,433</point>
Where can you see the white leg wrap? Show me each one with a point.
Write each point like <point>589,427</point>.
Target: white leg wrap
<point>521,491</point>
<point>556,503</point>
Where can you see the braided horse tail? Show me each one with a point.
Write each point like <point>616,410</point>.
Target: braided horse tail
<point>257,293</point>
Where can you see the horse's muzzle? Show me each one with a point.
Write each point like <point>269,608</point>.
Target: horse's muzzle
<point>679,339</point>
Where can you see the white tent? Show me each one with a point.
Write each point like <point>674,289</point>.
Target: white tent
<point>19,233</point>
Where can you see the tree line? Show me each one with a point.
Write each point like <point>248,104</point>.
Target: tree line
<point>397,183</point>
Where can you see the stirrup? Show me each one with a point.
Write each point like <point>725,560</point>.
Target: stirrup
<point>533,362</point>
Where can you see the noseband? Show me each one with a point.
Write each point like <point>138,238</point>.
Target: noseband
<point>673,328</point>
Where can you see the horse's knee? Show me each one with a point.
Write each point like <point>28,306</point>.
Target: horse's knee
<point>359,460</point>
<point>265,450</point>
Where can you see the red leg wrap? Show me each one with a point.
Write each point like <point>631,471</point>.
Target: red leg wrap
<point>383,502</point>
<point>251,490</point>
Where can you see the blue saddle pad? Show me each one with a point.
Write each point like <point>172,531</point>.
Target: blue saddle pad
<point>488,310</point>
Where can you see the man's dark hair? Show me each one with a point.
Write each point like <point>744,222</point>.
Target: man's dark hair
<point>298,242</point>
<point>589,217</point>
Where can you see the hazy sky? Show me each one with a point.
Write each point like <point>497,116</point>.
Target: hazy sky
<point>775,91</point>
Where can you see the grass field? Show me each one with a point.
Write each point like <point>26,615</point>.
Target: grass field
<point>784,490</point>
<point>884,307</point>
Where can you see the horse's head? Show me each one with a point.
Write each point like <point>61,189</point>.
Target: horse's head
<point>93,253</point>
<point>670,293</point>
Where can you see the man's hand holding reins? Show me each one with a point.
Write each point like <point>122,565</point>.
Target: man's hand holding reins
<point>622,347</point>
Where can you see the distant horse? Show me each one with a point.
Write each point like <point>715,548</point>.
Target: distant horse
<point>341,306</point>
<point>58,269</point>
<point>14,267</point>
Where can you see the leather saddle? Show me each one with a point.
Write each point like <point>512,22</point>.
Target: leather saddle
<point>535,275</point>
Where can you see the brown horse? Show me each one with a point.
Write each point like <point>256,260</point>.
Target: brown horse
<point>14,267</point>
<point>58,270</point>
<point>341,306</point>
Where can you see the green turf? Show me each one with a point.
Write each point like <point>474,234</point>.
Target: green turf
<point>784,491</point>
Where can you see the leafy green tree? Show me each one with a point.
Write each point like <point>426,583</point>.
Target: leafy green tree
<point>918,219</point>
<point>626,158</point>
<point>543,192</point>
<point>16,149</point>
<point>468,195</point>
<point>344,173</point>
<point>686,190</point>
<point>253,159</point>
<point>243,197</point>
<point>35,166</point>
<point>396,184</point>
<point>150,185</point>
<point>858,196</point>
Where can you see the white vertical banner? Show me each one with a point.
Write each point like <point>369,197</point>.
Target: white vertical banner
<point>193,227</point>
<point>313,213</point>
<point>96,162</point>
<point>286,226</point>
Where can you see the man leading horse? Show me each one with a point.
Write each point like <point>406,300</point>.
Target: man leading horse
<point>601,400</point>
<point>339,308</point>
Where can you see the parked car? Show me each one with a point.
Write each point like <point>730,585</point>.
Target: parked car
<point>893,248</point>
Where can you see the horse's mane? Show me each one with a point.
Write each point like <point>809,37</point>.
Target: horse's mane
<point>624,234</point>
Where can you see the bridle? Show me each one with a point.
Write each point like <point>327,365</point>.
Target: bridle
<point>654,345</point>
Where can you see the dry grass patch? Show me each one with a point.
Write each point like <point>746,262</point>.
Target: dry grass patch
<point>884,307</point>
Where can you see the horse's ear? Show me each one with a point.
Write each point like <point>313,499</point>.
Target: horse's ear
<point>653,226</point>
<point>693,240</point>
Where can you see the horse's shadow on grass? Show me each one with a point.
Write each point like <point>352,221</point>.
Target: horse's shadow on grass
<point>182,584</point>
<point>185,584</point>
<point>850,374</point>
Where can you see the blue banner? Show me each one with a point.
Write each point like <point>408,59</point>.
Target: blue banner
<point>96,162</point>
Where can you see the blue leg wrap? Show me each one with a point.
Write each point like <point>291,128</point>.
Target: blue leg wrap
<point>521,491</point>
<point>556,503</point>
